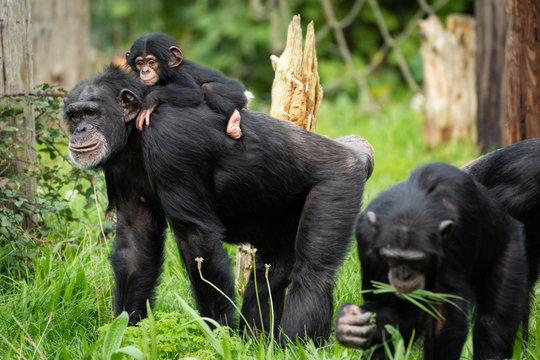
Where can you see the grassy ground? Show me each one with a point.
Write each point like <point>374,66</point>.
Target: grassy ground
<point>61,308</point>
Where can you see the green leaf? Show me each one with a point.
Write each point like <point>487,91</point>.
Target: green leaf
<point>113,337</point>
<point>131,351</point>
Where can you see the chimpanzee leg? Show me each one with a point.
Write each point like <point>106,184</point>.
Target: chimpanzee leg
<point>444,339</point>
<point>215,268</point>
<point>137,258</point>
<point>501,305</point>
<point>278,278</point>
<point>323,238</point>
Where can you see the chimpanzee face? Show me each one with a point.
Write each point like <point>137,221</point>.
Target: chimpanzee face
<point>152,56</point>
<point>148,68</point>
<point>97,120</point>
<point>409,248</point>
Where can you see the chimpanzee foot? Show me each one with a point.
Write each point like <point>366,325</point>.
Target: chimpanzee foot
<point>233,126</point>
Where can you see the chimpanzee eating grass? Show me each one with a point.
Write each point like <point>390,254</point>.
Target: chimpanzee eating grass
<point>160,63</point>
<point>293,194</point>
<point>441,231</point>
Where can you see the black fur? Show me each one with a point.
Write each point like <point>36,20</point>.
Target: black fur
<point>512,174</point>
<point>482,260</point>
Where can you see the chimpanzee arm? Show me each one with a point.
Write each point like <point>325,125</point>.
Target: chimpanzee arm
<point>138,246</point>
<point>364,325</point>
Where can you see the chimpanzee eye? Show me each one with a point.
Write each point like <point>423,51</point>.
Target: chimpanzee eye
<point>75,116</point>
<point>151,63</point>
<point>139,63</point>
<point>92,114</point>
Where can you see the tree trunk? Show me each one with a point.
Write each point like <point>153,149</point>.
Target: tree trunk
<point>16,70</point>
<point>61,31</point>
<point>491,24</point>
<point>296,97</point>
<point>522,66</point>
<point>296,90</point>
<point>449,79</point>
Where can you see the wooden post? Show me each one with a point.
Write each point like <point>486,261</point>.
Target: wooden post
<point>522,71</point>
<point>449,79</point>
<point>491,24</point>
<point>16,67</point>
<point>296,97</point>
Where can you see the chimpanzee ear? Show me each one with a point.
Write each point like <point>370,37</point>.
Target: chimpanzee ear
<point>130,103</point>
<point>372,218</point>
<point>127,55</point>
<point>445,228</point>
<point>176,56</point>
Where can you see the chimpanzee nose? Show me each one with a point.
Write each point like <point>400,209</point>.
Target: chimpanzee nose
<point>145,70</point>
<point>82,128</point>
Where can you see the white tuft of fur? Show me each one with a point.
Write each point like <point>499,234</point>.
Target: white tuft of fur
<point>249,95</point>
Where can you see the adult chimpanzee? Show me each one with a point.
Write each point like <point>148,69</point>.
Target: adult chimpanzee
<point>291,193</point>
<point>158,60</point>
<point>513,175</point>
<point>441,231</point>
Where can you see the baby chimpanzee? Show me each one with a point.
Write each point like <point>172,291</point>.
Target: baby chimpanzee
<point>160,64</point>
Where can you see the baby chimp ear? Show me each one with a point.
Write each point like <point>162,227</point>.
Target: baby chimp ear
<point>130,103</point>
<point>176,56</point>
<point>445,228</point>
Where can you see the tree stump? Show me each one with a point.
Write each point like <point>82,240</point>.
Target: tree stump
<point>449,79</point>
<point>296,90</point>
<point>296,97</point>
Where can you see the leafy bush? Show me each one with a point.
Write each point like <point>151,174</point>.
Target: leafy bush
<point>58,182</point>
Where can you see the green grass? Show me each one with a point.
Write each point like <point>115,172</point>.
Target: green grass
<point>62,308</point>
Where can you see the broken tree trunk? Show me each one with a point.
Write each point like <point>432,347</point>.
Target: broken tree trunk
<point>296,97</point>
<point>449,79</point>
<point>522,78</point>
<point>296,90</point>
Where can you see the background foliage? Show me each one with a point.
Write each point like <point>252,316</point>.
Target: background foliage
<point>238,37</point>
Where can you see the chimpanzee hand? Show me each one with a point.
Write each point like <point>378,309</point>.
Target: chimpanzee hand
<point>353,328</point>
<point>148,105</point>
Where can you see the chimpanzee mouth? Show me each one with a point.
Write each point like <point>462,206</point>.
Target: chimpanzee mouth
<point>407,286</point>
<point>86,147</point>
